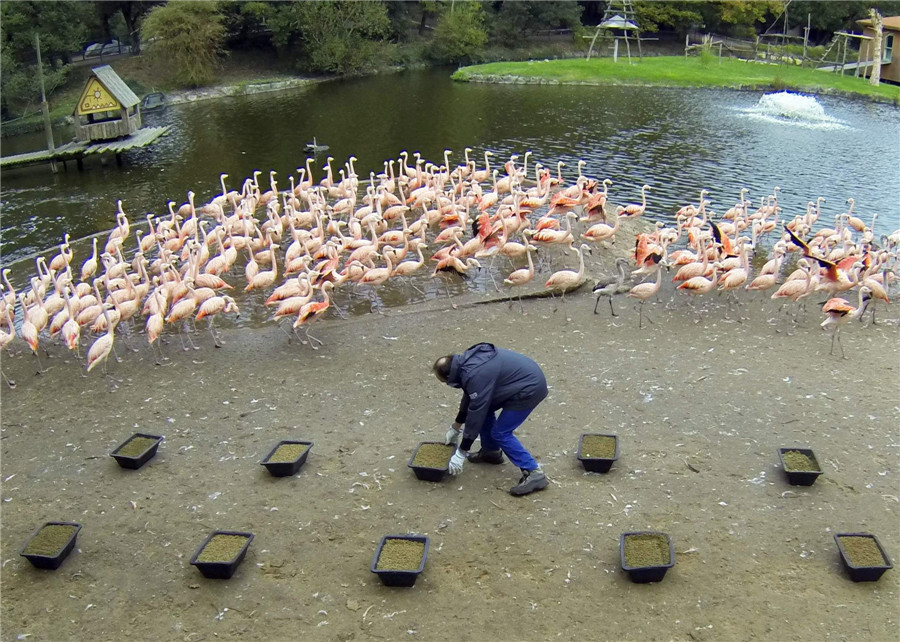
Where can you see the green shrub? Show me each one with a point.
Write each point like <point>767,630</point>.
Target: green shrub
<point>460,34</point>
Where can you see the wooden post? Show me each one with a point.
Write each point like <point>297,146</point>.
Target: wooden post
<point>45,108</point>
<point>593,40</point>
<point>844,56</point>
<point>687,43</point>
<point>628,47</point>
<point>784,33</point>
<point>859,60</point>
<point>806,33</point>
<point>720,53</point>
<point>616,50</point>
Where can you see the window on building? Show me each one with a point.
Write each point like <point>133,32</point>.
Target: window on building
<point>103,116</point>
<point>888,48</point>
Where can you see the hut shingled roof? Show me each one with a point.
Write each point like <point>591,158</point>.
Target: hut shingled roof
<point>116,86</point>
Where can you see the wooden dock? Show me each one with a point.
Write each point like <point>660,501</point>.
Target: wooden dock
<point>78,150</point>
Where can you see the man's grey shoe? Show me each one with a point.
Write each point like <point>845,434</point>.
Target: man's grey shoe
<point>486,457</point>
<point>531,481</point>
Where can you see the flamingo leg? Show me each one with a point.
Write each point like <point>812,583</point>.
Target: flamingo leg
<point>491,273</point>
<point>126,335</point>
<point>40,369</point>
<point>215,336</point>
<point>611,311</point>
<point>641,315</point>
<point>837,335</point>
<point>287,334</point>
<point>312,338</point>
<point>301,340</point>
<point>157,360</point>
<point>449,296</point>
<point>9,382</point>
<point>190,340</point>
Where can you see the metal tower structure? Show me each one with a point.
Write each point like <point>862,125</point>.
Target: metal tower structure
<point>618,19</point>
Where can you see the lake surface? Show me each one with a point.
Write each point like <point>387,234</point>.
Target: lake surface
<point>679,141</point>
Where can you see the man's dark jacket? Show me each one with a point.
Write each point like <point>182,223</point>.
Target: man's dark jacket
<point>493,378</point>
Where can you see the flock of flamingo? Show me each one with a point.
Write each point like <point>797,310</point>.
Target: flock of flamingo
<point>342,229</point>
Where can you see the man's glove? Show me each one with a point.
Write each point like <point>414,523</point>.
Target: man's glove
<point>452,435</point>
<point>457,461</point>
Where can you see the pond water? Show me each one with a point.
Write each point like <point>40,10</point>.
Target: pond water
<point>678,141</point>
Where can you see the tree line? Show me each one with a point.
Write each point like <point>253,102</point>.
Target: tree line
<point>340,37</point>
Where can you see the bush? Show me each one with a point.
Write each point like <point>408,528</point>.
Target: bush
<point>185,37</point>
<point>459,35</point>
<point>333,37</point>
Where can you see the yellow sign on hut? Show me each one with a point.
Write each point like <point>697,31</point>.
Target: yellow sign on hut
<point>107,109</point>
<point>96,98</point>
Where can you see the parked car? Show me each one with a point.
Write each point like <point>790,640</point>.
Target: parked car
<point>114,47</point>
<point>111,48</point>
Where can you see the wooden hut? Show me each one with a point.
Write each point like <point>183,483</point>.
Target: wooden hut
<point>107,109</point>
<point>890,68</point>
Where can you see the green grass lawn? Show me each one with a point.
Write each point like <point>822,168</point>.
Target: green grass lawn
<point>677,71</point>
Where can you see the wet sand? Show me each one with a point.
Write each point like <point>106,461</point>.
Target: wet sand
<point>700,409</point>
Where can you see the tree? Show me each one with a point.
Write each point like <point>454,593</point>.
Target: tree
<point>679,16</point>
<point>460,33</point>
<point>825,18</point>
<point>62,26</point>
<point>332,36</point>
<point>878,26</point>
<point>736,17</point>
<point>185,37</point>
<point>62,29</point>
<point>516,19</point>
<point>246,22</point>
<point>131,12</point>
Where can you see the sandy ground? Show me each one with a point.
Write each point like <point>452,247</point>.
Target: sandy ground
<point>700,409</point>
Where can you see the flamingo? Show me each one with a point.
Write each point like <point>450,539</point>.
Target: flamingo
<point>7,334</point>
<point>71,331</point>
<point>700,284</point>
<point>595,208</point>
<point>313,310</point>
<point>736,277</point>
<point>100,349</point>
<point>456,265</point>
<point>633,209</point>
<point>9,297</point>
<point>409,267</point>
<point>59,262</point>
<point>520,277</point>
<point>377,276</point>
<point>642,292</point>
<point>838,312</point>
<point>213,306</point>
<point>156,320</point>
<point>611,287</point>
<point>565,280</point>
<point>602,231</point>
<point>29,331</point>
<point>264,278</point>
<point>89,267</point>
